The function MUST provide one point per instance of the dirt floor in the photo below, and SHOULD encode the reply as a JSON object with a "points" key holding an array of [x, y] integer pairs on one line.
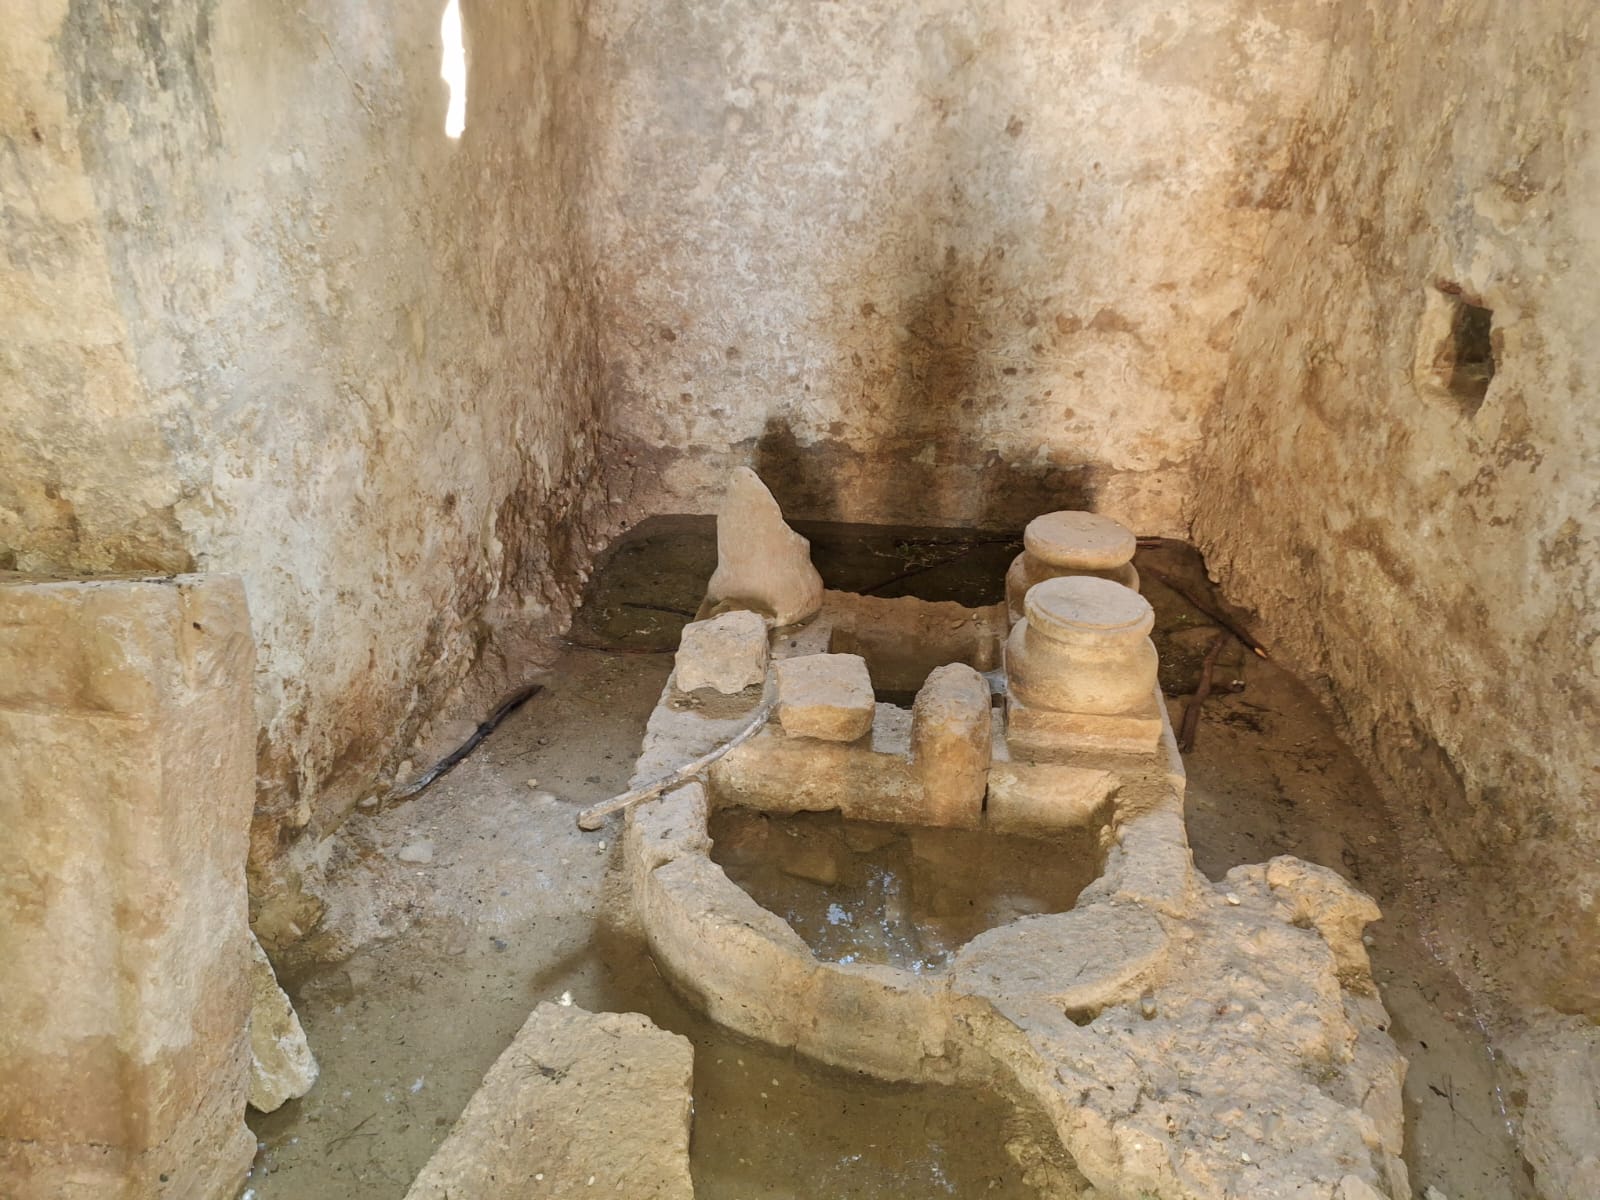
{"points": [[421, 972]]}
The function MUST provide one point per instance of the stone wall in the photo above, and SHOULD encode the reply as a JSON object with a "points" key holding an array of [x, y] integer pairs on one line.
{"points": [[1429, 545], [260, 315], [942, 261]]}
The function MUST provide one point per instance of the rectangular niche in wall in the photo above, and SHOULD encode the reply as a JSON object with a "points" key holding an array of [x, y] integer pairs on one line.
{"points": [[1455, 347]]}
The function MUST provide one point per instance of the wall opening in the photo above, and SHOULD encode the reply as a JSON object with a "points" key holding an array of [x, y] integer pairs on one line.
{"points": [[453, 69], [1456, 348]]}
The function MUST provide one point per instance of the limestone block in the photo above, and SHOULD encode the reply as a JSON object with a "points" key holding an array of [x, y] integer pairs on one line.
{"points": [[1038, 797], [1340, 911], [762, 564], [779, 774], [127, 779], [1044, 735], [281, 1064], [579, 1104], [952, 744], [727, 653], [886, 1021], [826, 696]]}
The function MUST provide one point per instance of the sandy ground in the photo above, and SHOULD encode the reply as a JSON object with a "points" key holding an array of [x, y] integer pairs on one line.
{"points": [[429, 968]]}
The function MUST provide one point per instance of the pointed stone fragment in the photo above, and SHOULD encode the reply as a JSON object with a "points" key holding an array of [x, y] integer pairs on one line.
{"points": [[281, 1065], [762, 564]]}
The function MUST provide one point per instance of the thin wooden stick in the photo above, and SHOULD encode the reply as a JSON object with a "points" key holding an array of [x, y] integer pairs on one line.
{"points": [[448, 763], [1191, 713], [1205, 606], [594, 816]]}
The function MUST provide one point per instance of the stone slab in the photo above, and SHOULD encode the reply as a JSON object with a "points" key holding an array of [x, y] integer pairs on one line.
{"points": [[1038, 797], [579, 1104], [726, 653], [825, 696]]}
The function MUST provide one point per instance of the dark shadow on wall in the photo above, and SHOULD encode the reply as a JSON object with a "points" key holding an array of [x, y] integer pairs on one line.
{"points": [[930, 337]]}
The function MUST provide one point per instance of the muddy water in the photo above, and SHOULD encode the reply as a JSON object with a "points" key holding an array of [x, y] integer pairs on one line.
{"points": [[856, 891], [451, 956]]}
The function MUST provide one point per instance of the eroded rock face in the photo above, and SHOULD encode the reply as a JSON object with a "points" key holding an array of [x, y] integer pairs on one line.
{"points": [[578, 1104], [761, 563], [282, 1066]]}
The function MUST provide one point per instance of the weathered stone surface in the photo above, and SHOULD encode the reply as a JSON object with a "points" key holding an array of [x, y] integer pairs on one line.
{"points": [[761, 563], [1070, 543], [1432, 547], [579, 1104], [282, 1066], [978, 295], [726, 653], [1083, 647], [825, 696], [1045, 735], [1035, 797], [1083, 960], [952, 744], [390, 426], [127, 751]]}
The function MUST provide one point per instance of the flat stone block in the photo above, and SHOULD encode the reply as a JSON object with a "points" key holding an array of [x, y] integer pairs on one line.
{"points": [[1037, 732], [726, 653], [825, 696], [1037, 797], [580, 1104]]}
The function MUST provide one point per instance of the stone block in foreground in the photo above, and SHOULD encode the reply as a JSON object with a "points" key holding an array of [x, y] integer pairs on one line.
{"points": [[825, 696], [580, 1104], [127, 777]]}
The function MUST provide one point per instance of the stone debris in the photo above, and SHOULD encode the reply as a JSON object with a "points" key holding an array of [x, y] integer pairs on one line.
{"points": [[281, 1063], [825, 696], [579, 1104], [420, 851], [762, 564], [726, 653]]}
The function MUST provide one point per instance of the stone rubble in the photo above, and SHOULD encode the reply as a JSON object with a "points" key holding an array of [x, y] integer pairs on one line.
{"points": [[726, 653], [579, 1104]]}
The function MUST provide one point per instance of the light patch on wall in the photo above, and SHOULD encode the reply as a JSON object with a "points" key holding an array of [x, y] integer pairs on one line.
{"points": [[454, 69]]}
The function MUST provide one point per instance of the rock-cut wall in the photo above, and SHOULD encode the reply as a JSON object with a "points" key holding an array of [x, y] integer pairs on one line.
{"points": [[261, 315], [936, 261]]}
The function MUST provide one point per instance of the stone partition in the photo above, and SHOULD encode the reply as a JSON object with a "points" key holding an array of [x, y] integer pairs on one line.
{"points": [[127, 755]]}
